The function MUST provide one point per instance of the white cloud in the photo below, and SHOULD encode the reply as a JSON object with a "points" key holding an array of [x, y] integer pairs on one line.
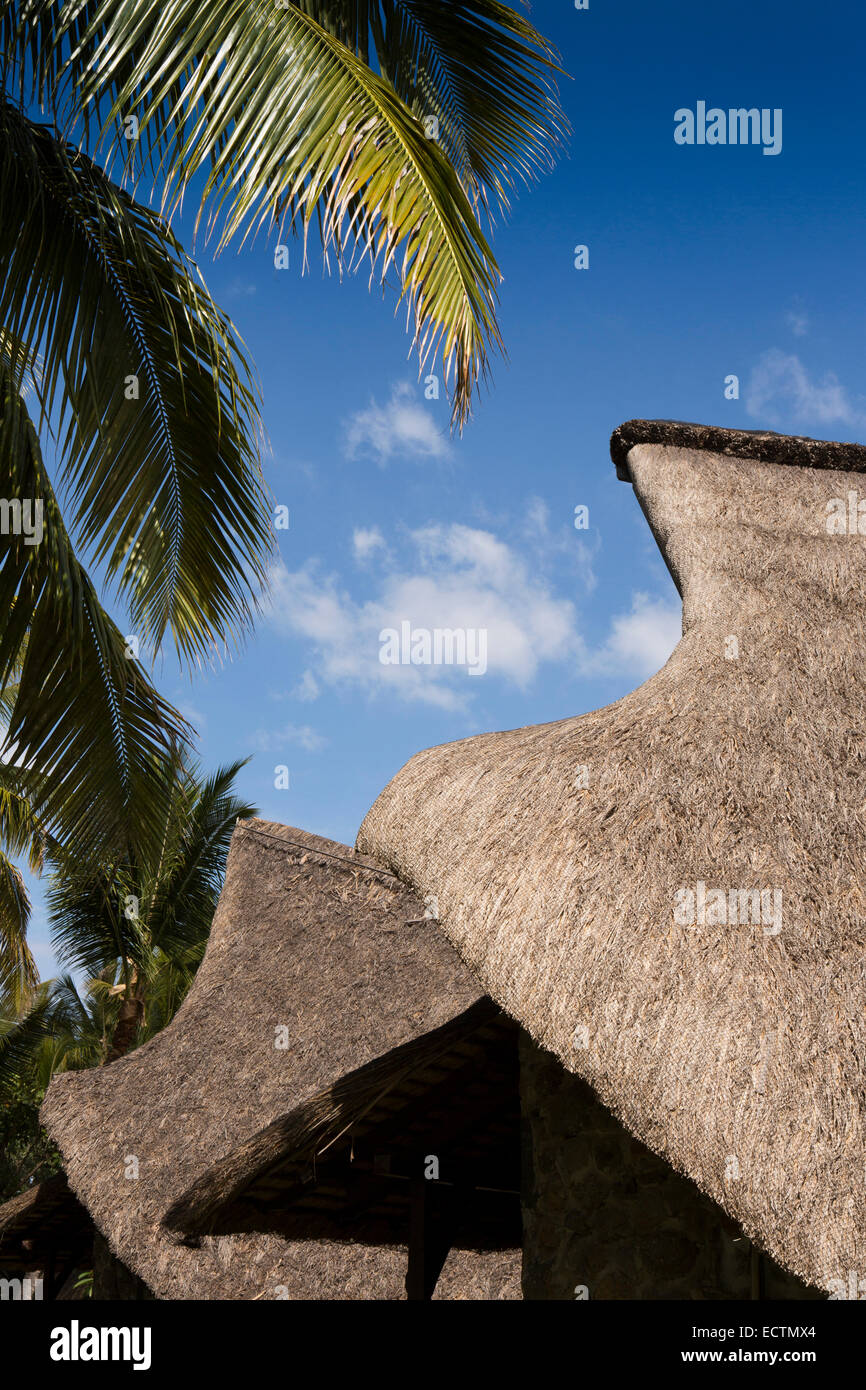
{"points": [[560, 541], [307, 687], [459, 578], [798, 323], [240, 289], [366, 541], [781, 383], [641, 641], [306, 690], [275, 740], [402, 427], [537, 518]]}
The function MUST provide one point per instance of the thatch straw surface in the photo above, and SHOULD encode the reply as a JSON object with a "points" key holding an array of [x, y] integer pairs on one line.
{"points": [[307, 936], [737, 1053]]}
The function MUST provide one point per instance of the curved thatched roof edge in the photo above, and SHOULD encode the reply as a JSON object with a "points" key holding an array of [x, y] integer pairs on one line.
{"points": [[763, 445], [30, 1205], [312, 1127], [318, 847]]}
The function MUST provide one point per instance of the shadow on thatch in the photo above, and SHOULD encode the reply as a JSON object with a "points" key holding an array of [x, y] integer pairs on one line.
{"points": [[346, 1160], [44, 1225]]}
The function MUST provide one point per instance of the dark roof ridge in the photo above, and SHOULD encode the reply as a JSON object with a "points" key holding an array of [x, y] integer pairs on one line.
{"points": [[763, 445]]}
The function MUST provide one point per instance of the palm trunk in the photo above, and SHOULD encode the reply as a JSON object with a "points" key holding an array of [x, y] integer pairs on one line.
{"points": [[129, 1020]]}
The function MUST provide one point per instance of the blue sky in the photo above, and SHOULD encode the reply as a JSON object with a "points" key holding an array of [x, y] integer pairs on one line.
{"points": [[703, 262]]}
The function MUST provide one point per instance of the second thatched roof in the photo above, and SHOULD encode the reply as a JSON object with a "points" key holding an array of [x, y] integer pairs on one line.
{"points": [[44, 1223], [318, 962], [572, 862]]}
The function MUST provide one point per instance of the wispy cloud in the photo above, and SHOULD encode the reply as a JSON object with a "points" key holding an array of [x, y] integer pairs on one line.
{"points": [[191, 713], [781, 388], [559, 541], [402, 428], [366, 541], [307, 688], [240, 289], [455, 577], [290, 735], [641, 641], [798, 323]]}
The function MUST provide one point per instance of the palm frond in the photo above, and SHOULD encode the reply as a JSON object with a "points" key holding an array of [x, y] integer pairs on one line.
{"points": [[159, 420], [293, 127], [18, 973], [21, 831], [23, 1028], [90, 926], [86, 729], [158, 904], [77, 1028], [478, 69], [185, 888]]}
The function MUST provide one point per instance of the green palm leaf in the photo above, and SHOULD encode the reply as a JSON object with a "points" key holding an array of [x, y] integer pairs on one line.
{"points": [[24, 1026], [175, 885], [21, 834], [184, 887], [18, 972], [86, 726], [293, 126], [478, 67], [280, 100], [158, 423]]}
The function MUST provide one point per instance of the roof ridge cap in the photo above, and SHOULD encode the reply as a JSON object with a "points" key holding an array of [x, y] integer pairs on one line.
{"points": [[766, 446]]}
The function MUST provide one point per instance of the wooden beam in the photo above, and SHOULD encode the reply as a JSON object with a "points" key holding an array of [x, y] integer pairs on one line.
{"points": [[429, 1238]]}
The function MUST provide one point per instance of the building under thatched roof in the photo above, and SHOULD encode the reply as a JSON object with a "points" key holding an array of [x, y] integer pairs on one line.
{"points": [[668, 894], [44, 1229], [424, 1141], [433, 1138], [318, 964]]}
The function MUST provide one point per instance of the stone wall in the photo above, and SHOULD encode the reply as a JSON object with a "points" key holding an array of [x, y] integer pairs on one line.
{"points": [[604, 1214]]}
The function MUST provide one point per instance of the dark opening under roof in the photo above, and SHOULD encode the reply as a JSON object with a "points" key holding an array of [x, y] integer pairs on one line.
{"points": [[42, 1224], [343, 1165], [764, 445]]}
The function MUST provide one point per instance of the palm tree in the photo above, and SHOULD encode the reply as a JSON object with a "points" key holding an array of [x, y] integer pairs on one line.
{"points": [[56, 1028], [21, 836], [138, 932], [390, 128], [146, 920]]}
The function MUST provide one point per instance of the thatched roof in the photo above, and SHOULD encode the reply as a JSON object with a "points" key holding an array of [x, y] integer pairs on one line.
{"points": [[46, 1222], [737, 1052], [793, 450], [358, 1146], [309, 938]]}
